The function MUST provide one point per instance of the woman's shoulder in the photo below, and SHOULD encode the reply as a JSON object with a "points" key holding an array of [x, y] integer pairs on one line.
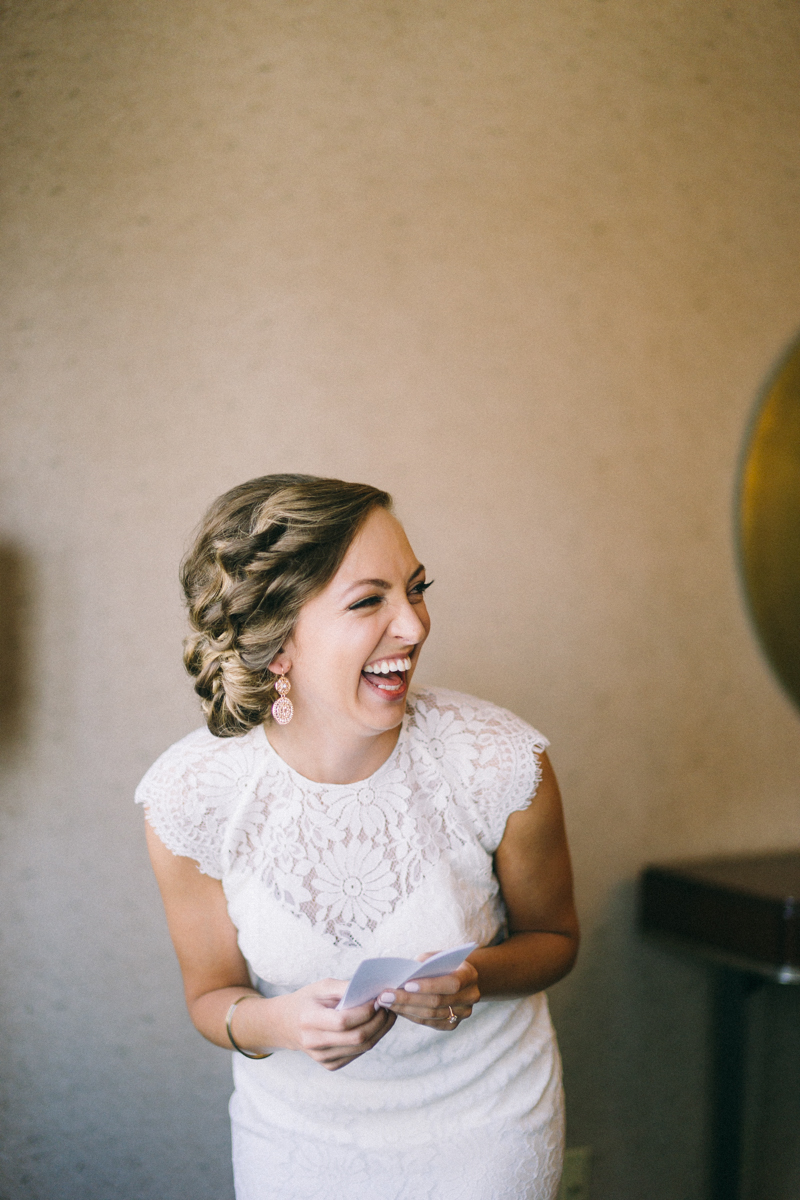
{"points": [[198, 752], [490, 755], [199, 742], [190, 791], [437, 708]]}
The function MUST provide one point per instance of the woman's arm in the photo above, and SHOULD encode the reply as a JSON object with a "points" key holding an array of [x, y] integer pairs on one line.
{"points": [[533, 867], [215, 974]]}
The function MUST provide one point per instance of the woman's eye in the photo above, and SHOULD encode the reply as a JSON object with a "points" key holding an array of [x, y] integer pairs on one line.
{"points": [[419, 589], [367, 602]]}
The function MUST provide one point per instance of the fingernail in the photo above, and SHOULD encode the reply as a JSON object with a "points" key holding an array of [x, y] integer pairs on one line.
{"points": [[411, 987], [376, 1005], [387, 997]]}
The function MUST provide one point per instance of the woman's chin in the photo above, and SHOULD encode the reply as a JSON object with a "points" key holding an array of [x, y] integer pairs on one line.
{"points": [[385, 709]]}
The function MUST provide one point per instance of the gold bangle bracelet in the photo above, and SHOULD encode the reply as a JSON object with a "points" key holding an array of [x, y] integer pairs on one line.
{"points": [[229, 1018]]}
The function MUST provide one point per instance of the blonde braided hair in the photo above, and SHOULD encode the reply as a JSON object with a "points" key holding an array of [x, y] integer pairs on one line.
{"points": [[262, 550]]}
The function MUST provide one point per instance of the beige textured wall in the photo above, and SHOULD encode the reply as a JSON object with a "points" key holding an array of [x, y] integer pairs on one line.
{"points": [[524, 264]]}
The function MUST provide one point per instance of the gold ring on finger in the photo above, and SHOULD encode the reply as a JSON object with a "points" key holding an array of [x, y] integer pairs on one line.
{"points": [[451, 1020]]}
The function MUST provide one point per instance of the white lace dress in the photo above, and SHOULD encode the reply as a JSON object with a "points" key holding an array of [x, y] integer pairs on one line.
{"points": [[319, 876]]}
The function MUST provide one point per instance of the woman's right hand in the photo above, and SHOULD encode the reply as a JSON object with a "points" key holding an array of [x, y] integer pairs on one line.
{"points": [[215, 974], [308, 1020]]}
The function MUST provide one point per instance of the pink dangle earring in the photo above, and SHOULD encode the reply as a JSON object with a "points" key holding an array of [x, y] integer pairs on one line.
{"points": [[282, 709]]}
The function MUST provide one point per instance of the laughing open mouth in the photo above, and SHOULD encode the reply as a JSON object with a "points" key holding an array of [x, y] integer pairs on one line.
{"points": [[388, 676]]}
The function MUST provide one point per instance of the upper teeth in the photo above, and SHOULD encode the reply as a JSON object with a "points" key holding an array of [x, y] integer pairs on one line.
{"points": [[388, 664]]}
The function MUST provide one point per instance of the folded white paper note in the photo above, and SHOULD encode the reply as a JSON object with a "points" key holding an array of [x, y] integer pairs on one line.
{"points": [[375, 975]]}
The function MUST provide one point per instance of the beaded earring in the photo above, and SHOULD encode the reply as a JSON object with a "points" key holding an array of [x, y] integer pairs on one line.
{"points": [[282, 709]]}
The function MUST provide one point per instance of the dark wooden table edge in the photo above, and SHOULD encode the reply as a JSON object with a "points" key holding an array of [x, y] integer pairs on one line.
{"points": [[692, 949]]}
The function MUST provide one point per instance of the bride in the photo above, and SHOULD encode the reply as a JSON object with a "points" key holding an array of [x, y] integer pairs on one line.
{"points": [[328, 813]]}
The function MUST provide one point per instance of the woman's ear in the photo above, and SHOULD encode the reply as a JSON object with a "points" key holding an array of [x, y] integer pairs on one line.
{"points": [[281, 663]]}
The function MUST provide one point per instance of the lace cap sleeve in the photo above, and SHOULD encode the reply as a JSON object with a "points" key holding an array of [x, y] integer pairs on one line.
{"points": [[188, 796], [491, 755], [516, 747]]}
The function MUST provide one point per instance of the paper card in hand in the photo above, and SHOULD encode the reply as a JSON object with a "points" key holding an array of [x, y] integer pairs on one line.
{"points": [[375, 975]]}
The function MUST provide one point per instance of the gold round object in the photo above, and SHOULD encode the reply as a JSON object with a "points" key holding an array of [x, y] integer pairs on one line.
{"points": [[769, 523]]}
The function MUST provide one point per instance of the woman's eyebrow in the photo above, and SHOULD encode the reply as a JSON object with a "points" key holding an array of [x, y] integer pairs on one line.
{"points": [[382, 583], [378, 583]]}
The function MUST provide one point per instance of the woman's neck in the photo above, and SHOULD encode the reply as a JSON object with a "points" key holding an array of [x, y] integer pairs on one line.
{"points": [[325, 756]]}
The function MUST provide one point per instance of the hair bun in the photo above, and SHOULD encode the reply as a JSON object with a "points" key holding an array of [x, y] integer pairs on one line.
{"points": [[262, 550]]}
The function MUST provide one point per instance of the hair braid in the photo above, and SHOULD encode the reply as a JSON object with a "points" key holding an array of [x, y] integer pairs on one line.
{"points": [[262, 550]]}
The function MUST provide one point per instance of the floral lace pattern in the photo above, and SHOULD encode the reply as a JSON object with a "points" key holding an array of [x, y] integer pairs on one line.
{"points": [[341, 857], [319, 876]]}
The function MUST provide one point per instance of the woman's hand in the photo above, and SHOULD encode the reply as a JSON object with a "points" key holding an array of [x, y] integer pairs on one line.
{"points": [[215, 974], [435, 1002], [308, 1020]]}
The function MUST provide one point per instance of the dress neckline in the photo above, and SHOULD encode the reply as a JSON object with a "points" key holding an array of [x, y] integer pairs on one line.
{"points": [[303, 781]]}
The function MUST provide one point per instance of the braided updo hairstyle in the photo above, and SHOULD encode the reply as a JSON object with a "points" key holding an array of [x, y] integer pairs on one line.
{"points": [[262, 550]]}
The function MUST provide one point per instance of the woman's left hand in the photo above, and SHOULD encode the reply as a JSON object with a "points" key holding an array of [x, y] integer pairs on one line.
{"points": [[443, 1002]]}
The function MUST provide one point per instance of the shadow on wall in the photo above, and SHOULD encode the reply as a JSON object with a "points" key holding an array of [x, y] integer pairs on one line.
{"points": [[15, 574]]}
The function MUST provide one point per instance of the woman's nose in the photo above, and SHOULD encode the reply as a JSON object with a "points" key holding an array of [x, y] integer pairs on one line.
{"points": [[407, 624]]}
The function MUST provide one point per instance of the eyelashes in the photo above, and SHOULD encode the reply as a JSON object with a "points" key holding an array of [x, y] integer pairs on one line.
{"points": [[369, 602], [418, 590]]}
